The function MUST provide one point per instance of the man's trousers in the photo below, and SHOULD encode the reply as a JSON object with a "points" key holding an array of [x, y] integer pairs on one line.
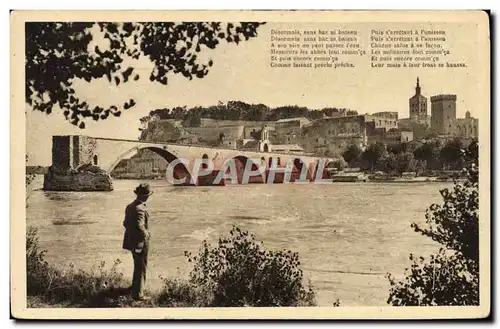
{"points": [[140, 267]]}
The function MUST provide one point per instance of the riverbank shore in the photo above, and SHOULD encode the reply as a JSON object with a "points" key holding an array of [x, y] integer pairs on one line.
{"points": [[370, 178], [237, 284], [422, 179], [49, 285]]}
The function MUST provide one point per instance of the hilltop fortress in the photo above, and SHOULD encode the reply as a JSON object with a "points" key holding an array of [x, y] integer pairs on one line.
{"points": [[443, 121], [326, 136]]}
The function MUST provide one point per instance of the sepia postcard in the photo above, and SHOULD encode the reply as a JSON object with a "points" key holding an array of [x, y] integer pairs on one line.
{"points": [[250, 165]]}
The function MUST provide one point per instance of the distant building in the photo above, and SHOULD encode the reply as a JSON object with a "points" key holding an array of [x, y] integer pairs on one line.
{"points": [[229, 143], [288, 131], [217, 136], [418, 104], [389, 136], [419, 128], [444, 114], [443, 120], [302, 121], [334, 135], [288, 148], [398, 136], [260, 142], [467, 127], [335, 113], [140, 166], [387, 120], [255, 131], [213, 123], [143, 163]]}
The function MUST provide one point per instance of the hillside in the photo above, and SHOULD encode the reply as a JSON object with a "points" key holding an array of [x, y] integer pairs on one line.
{"points": [[237, 110]]}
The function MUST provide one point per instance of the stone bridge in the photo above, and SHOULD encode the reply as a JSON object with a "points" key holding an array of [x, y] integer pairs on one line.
{"points": [[72, 154]]}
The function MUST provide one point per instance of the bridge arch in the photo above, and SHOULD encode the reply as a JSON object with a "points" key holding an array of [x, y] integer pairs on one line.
{"points": [[240, 165], [316, 167], [180, 170], [274, 161], [298, 165]]}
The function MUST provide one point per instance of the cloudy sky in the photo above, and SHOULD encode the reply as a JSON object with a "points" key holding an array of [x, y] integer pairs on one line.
{"points": [[242, 72]]}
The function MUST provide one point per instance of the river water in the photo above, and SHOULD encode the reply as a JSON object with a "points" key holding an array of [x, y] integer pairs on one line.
{"points": [[348, 235]]}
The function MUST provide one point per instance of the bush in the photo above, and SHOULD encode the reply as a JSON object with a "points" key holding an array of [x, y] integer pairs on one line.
{"points": [[352, 155], [239, 273], [452, 276], [446, 279], [177, 293], [38, 270]]}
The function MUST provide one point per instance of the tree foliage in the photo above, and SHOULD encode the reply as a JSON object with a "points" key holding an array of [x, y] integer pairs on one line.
{"points": [[429, 152], [57, 53], [389, 163], [352, 155], [395, 148], [29, 177], [239, 272], [406, 156], [451, 154], [450, 277], [399, 163], [238, 110], [406, 162], [373, 154], [443, 280]]}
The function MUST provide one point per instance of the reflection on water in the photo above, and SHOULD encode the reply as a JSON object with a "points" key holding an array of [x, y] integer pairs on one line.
{"points": [[347, 235]]}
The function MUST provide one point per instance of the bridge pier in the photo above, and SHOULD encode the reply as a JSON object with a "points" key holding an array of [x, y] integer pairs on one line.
{"points": [[74, 166], [209, 180], [77, 180]]}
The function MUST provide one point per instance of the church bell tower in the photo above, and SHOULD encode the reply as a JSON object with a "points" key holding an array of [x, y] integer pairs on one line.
{"points": [[418, 104]]}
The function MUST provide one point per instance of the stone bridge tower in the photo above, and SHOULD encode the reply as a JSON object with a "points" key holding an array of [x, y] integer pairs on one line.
{"points": [[70, 153]]}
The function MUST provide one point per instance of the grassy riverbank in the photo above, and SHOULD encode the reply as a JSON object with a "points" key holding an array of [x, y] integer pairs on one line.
{"points": [[173, 294], [251, 277], [50, 286]]}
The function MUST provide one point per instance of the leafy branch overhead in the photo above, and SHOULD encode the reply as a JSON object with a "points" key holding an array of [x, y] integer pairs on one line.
{"points": [[57, 53]]}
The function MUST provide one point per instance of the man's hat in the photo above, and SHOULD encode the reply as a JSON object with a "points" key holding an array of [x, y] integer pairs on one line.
{"points": [[143, 189]]}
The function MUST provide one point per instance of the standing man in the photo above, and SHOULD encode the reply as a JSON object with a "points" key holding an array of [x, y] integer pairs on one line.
{"points": [[136, 238]]}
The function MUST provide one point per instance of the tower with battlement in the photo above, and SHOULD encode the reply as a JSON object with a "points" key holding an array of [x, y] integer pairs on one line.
{"points": [[444, 114], [418, 104]]}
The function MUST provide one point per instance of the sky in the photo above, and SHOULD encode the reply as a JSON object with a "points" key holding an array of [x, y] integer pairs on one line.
{"points": [[242, 72]]}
